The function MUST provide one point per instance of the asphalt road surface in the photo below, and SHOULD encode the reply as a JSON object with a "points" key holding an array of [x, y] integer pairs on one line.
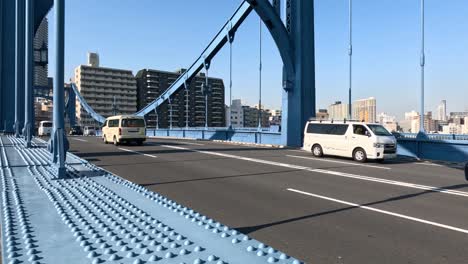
{"points": [[326, 210]]}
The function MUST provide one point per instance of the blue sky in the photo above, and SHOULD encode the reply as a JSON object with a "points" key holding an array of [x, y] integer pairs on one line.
{"points": [[170, 34]]}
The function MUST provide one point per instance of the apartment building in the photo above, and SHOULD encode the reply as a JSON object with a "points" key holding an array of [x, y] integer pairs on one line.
{"points": [[365, 109], [235, 113], [322, 114], [152, 83], [338, 111], [275, 117], [108, 91]]}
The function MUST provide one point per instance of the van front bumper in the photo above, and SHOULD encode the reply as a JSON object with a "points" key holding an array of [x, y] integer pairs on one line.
{"points": [[380, 154]]}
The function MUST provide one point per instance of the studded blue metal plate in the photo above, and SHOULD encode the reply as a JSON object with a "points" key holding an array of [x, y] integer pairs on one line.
{"points": [[93, 216]]}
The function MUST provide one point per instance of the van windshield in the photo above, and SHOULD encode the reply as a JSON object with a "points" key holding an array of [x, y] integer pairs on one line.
{"points": [[133, 123], [379, 130], [47, 124]]}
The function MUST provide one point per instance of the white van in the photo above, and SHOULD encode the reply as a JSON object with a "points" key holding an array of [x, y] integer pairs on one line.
{"points": [[89, 131], [358, 140], [123, 129], [45, 128]]}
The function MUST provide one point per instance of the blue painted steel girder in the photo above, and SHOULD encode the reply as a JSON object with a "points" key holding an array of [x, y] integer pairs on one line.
{"points": [[301, 105], [297, 52], [58, 144], [7, 62], [29, 73], [41, 9], [8, 53], [19, 66], [71, 107], [280, 35]]}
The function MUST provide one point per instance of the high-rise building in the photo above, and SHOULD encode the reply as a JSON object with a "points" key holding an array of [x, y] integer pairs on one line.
{"points": [[338, 111], [152, 83], [235, 113], [93, 59], [247, 116], [365, 110], [452, 128], [411, 115], [275, 117], [430, 125], [465, 126], [442, 111], [387, 121], [322, 114], [108, 91]]}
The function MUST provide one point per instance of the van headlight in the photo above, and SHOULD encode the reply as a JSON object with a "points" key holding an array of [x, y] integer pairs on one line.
{"points": [[378, 145]]}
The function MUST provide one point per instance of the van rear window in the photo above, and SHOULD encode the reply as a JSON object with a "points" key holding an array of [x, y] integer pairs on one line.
{"points": [[47, 124], [133, 123], [327, 129]]}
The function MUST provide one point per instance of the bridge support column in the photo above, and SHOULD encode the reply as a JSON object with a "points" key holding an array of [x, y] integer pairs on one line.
{"points": [[19, 67], [58, 143], [29, 73], [7, 62], [71, 107], [299, 90]]}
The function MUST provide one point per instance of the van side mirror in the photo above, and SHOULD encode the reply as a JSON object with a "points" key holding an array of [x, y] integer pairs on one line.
{"points": [[368, 133]]}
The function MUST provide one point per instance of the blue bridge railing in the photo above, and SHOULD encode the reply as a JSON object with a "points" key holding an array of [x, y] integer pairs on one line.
{"points": [[436, 136]]}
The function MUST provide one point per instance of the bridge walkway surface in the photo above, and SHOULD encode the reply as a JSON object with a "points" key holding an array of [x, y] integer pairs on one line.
{"points": [[93, 216], [326, 210]]}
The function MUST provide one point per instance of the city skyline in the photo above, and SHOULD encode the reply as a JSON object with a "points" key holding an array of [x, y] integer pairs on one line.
{"points": [[142, 39]]}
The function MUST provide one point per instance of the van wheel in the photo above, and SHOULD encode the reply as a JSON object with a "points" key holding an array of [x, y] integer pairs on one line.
{"points": [[317, 150], [116, 143], [359, 155], [105, 139]]}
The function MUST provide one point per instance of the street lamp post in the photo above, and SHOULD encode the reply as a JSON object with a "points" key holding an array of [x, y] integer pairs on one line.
{"points": [[422, 63], [260, 81], [350, 54]]}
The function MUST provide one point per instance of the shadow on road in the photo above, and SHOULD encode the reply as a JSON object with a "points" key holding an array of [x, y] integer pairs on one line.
{"points": [[161, 151], [251, 229]]}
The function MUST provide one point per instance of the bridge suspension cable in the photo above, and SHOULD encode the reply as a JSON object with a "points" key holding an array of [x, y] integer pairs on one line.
{"points": [[186, 86]]}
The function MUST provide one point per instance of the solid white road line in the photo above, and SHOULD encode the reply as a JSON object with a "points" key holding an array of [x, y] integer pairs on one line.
{"points": [[453, 228], [342, 162], [79, 139], [427, 164], [329, 172], [133, 151]]}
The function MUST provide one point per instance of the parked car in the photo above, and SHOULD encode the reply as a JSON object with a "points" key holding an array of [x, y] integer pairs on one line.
{"points": [[76, 131], [89, 131], [358, 140], [124, 129], [45, 128]]}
